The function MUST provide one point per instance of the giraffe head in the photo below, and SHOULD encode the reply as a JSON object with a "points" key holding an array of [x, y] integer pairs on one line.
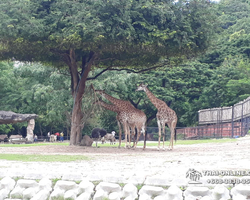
{"points": [[101, 92], [142, 87]]}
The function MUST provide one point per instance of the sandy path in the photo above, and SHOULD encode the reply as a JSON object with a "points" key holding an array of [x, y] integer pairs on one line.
{"points": [[129, 163]]}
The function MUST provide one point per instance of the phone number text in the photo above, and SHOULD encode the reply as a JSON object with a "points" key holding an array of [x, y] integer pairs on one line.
{"points": [[228, 181]]}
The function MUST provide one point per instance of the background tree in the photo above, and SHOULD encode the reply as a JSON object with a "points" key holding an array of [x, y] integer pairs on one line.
{"points": [[106, 34], [33, 88]]}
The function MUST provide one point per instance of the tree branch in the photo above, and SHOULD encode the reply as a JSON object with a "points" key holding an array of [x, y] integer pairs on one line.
{"points": [[142, 70], [150, 118], [91, 78]]}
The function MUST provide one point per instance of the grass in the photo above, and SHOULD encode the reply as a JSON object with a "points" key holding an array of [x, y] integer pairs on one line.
{"points": [[35, 144], [71, 158], [43, 158]]}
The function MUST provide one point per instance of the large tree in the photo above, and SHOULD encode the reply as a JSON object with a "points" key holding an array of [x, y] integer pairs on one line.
{"points": [[109, 34]]}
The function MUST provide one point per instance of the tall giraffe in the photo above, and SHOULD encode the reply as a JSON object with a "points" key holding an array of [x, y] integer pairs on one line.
{"points": [[165, 115], [121, 118], [134, 117]]}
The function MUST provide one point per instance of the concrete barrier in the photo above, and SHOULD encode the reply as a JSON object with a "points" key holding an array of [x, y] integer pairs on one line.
{"points": [[45, 188]]}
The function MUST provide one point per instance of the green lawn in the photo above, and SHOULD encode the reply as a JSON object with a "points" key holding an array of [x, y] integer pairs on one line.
{"points": [[35, 144], [69, 158], [43, 158]]}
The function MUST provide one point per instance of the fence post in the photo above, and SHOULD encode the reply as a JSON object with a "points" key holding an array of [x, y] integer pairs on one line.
{"points": [[241, 131], [232, 125]]}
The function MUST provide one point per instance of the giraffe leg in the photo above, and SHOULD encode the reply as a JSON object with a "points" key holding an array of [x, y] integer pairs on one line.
{"points": [[145, 136], [129, 136], [171, 139], [125, 127], [132, 127], [120, 133], [172, 129], [138, 135], [133, 134], [163, 134], [159, 139]]}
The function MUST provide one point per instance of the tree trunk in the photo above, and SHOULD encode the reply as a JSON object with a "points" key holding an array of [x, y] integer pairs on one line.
{"points": [[78, 83], [76, 123]]}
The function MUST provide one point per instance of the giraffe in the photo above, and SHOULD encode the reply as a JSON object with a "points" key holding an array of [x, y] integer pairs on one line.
{"points": [[165, 115], [121, 118], [135, 118]]}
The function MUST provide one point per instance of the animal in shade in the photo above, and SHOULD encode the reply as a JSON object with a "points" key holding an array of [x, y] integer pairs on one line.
{"points": [[128, 116], [165, 115]]}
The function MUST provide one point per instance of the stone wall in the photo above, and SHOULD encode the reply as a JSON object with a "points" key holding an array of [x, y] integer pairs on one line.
{"points": [[19, 188]]}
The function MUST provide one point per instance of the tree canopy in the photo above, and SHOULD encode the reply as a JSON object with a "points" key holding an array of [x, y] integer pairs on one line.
{"points": [[108, 34], [118, 31]]}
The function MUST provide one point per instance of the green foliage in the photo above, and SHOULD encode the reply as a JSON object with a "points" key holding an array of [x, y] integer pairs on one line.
{"points": [[125, 35], [234, 38], [180, 87], [33, 88], [120, 34], [229, 84], [6, 128], [121, 30]]}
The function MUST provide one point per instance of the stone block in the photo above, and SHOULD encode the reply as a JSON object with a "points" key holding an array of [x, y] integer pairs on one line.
{"points": [[86, 186], [17, 192], [145, 197], [4, 193], [30, 192], [65, 185], [114, 196], [7, 183], [57, 193], [70, 194], [129, 191], [84, 196], [179, 182], [152, 191], [100, 195], [220, 192], [26, 183], [108, 187], [196, 192], [45, 184], [41, 195], [174, 193], [240, 192], [162, 197]]}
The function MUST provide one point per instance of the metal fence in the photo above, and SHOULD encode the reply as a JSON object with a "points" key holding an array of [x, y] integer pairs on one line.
{"points": [[222, 130]]}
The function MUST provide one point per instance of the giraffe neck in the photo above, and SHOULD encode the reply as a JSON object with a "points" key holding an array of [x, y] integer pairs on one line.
{"points": [[113, 100], [109, 107], [155, 101]]}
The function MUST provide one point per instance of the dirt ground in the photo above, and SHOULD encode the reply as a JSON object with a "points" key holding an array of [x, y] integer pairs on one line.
{"points": [[212, 156]]}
